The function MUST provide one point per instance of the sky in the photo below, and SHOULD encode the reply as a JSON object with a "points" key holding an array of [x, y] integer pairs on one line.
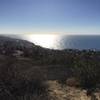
{"points": [[50, 16]]}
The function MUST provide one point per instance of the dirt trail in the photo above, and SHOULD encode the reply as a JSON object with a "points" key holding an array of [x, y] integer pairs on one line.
{"points": [[57, 92]]}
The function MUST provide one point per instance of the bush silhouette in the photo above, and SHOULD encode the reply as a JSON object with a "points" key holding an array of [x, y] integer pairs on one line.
{"points": [[88, 73], [15, 86]]}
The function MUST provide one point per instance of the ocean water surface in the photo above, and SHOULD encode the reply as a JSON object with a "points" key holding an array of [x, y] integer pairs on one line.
{"points": [[54, 41], [80, 42]]}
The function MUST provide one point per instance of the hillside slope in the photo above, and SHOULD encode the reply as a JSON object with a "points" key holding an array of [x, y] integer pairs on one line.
{"points": [[27, 69]]}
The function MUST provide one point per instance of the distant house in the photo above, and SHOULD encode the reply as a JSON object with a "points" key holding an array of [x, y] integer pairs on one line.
{"points": [[18, 53]]}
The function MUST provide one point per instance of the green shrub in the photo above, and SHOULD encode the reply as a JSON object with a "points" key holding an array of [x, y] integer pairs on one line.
{"points": [[15, 86], [88, 73]]}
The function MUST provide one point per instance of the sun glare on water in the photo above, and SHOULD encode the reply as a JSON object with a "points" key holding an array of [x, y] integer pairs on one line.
{"points": [[44, 40]]}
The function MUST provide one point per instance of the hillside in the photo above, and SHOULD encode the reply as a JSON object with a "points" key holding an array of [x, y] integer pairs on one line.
{"points": [[26, 69]]}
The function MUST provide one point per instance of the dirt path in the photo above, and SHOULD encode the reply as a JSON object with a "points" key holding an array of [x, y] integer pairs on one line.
{"points": [[57, 92]]}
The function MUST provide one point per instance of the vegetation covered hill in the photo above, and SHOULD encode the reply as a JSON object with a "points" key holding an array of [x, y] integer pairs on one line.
{"points": [[25, 69]]}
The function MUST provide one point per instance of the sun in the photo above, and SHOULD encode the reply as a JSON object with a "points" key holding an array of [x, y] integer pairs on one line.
{"points": [[44, 40]]}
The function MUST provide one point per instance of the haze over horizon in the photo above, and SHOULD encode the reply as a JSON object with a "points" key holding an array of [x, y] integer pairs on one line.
{"points": [[50, 16]]}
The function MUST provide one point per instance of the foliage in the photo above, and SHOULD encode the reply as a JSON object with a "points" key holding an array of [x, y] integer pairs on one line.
{"points": [[87, 69], [16, 86]]}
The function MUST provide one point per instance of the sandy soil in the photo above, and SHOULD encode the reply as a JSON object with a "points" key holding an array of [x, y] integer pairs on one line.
{"points": [[59, 92]]}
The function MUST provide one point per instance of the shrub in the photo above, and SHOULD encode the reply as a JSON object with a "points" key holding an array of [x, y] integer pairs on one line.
{"points": [[88, 73], [15, 86]]}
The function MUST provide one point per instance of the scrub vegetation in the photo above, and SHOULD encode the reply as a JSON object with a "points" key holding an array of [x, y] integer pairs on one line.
{"points": [[35, 73]]}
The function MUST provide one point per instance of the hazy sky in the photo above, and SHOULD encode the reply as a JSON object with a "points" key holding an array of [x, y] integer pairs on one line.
{"points": [[50, 16]]}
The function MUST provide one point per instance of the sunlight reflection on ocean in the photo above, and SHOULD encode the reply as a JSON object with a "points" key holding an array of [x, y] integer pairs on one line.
{"points": [[66, 41], [54, 41]]}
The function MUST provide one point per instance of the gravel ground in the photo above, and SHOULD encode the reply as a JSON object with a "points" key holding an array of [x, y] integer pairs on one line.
{"points": [[59, 92]]}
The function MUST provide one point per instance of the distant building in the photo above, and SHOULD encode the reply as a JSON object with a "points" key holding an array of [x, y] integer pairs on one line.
{"points": [[18, 53]]}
